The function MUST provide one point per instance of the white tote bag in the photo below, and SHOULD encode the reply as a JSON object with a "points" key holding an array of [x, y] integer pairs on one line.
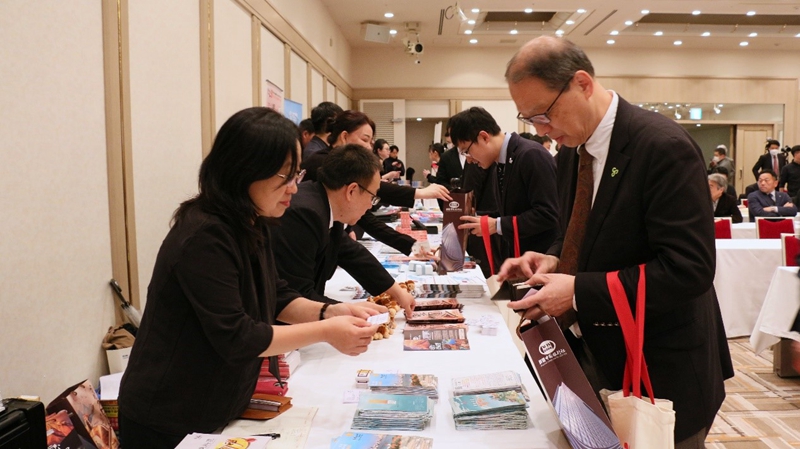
{"points": [[640, 422]]}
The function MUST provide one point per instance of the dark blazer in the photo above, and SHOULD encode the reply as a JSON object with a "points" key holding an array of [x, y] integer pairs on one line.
{"points": [[314, 145], [449, 167], [388, 165], [757, 201], [728, 206], [307, 251], [764, 162], [652, 207]]}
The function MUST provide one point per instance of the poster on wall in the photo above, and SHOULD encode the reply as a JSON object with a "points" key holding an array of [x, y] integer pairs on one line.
{"points": [[293, 111], [274, 97]]}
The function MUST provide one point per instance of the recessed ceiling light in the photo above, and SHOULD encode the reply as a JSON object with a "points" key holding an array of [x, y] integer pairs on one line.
{"points": [[392, 32], [658, 33], [471, 22], [720, 105], [528, 10], [645, 11], [696, 12], [614, 32], [513, 32], [678, 43], [753, 34], [611, 42], [419, 119], [670, 107], [467, 31], [699, 125], [570, 22], [744, 44], [388, 15], [476, 10], [706, 34], [751, 13], [559, 32], [473, 41], [628, 22], [581, 11], [797, 35]]}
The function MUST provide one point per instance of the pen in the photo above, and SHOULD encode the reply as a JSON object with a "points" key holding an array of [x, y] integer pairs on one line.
{"points": [[274, 436]]}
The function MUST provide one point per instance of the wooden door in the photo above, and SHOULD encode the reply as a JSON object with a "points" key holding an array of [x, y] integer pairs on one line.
{"points": [[750, 141]]}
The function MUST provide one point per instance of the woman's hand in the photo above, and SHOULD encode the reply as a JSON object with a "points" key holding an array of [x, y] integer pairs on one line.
{"points": [[403, 297], [391, 175], [426, 172], [362, 310], [433, 191], [348, 334]]}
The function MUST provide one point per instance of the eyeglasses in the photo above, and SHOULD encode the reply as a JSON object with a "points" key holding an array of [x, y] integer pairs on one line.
{"points": [[466, 152], [375, 198], [543, 119], [297, 177]]}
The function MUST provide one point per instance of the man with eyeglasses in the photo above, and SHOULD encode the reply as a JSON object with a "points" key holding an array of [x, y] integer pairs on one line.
{"points": [[633, 190], [520, 173], [309, 238]]}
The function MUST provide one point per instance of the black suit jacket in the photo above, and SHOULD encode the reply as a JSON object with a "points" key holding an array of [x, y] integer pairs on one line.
{"points": [[764, 162], [652, 207], [307, 252], [449, 167], [728, 206]]}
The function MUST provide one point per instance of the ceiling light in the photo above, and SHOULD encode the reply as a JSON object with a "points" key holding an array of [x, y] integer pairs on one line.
{"points": [[611, 42], [716, 110], [744, 44], [695, 13], [581, 11], [570, 22], [388, 15], [614, 32], [678, 115], [645, 12], [797, 35], [678, 43], [392, 32], [641, 105], [528, 10], [467, 31], [753, 34], [628, 22], [471, 22], [658, 33], [476, 10], [473, 41], [419, 119], [513, 32], [706, 34], [670, 107], [560, 32], [699, 125], [751, 13], [720, 105]]}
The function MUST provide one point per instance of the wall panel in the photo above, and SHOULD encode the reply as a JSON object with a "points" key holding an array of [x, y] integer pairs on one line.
{"points": [[299, 90], [233, 59]]}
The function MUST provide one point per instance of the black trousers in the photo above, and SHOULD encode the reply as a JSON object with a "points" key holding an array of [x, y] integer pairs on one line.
{"points": [[133, 435]]}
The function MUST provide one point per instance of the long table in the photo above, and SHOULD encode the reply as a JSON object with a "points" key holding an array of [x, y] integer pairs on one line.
{"points": [[747, 230], [325, 374], [779, 310], [744, 270]]}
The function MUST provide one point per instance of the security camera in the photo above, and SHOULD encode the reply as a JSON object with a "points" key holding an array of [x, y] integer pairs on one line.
{"points": [[417, 48], [413, 47]]}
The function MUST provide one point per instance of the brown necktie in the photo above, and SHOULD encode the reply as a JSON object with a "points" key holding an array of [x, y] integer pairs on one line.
{"points": [[576, 230], [775, 164]]}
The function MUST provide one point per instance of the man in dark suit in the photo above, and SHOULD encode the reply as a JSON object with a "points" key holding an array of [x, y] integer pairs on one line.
{"points": [[723, 204], [450, 166], [771, 160], [309, 238], [637, 195], [767, 201], [524, 179]]}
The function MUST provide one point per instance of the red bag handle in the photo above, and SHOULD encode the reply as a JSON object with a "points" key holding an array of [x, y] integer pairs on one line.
{"points": [[636, 371], [487, 243]]}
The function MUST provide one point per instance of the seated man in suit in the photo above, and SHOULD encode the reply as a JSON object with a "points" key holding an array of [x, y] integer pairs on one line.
{"points": [[309, 238], [768, 201], [724, 204], [524, 176]]}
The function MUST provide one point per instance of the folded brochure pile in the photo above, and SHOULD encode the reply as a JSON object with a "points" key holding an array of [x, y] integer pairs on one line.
{"points": [[393, 412], [490, 402], [409, 384], [354, 440]]}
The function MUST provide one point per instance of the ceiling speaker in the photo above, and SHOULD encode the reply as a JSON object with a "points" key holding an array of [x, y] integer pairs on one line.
{"points": [[376, 33]]}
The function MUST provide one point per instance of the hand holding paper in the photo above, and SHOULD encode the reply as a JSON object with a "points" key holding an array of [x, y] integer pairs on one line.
{"points": [[527, 265], [554, 298]]}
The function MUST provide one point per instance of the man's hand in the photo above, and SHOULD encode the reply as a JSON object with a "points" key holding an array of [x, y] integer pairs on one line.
{"points": [[403, 297], [473, 224], [554, 298], [426, 172], [789, 204], [359, 310], [348, 334], [526, 266], [433, 191]]}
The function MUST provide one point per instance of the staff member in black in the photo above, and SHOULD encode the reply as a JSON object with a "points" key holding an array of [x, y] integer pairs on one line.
{"points": [[789, 180]]}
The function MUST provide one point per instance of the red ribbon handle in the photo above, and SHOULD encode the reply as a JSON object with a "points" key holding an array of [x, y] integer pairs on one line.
{"points": [[487, 243]]}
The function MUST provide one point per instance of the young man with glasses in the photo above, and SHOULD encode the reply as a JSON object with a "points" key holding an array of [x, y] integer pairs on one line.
{"points": [[520, 173], [309, 239]]}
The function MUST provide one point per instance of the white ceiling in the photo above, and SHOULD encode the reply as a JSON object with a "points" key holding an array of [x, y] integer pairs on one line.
{"points": [[592, 28]]}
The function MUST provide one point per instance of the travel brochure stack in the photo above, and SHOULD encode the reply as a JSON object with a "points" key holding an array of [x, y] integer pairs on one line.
{"points": [[409, 384], [490, 402], [393, 412], [354, 440]]}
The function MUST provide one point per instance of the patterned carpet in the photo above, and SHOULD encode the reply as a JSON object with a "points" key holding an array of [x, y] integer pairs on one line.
{"points": [[761, 410]]}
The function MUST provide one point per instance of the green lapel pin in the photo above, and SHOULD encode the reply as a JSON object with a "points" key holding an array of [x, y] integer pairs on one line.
{"points": [[614, 171]]}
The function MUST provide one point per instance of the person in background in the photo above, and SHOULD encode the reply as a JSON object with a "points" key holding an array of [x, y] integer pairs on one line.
{"points": [[320, 117], [632, 190], [310, 241], [724, 172], [435, 152], [215, 295], [381, 149], [723, 204], [392, 163], [306, 132], [721, 160], [772, 159], [790, 175], [451, 164], [768, 201]]}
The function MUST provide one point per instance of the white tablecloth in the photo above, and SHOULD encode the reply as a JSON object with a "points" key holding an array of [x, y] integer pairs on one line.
{"points": [[747, 230], [778, 311], [744, 270], [325, 374]]}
